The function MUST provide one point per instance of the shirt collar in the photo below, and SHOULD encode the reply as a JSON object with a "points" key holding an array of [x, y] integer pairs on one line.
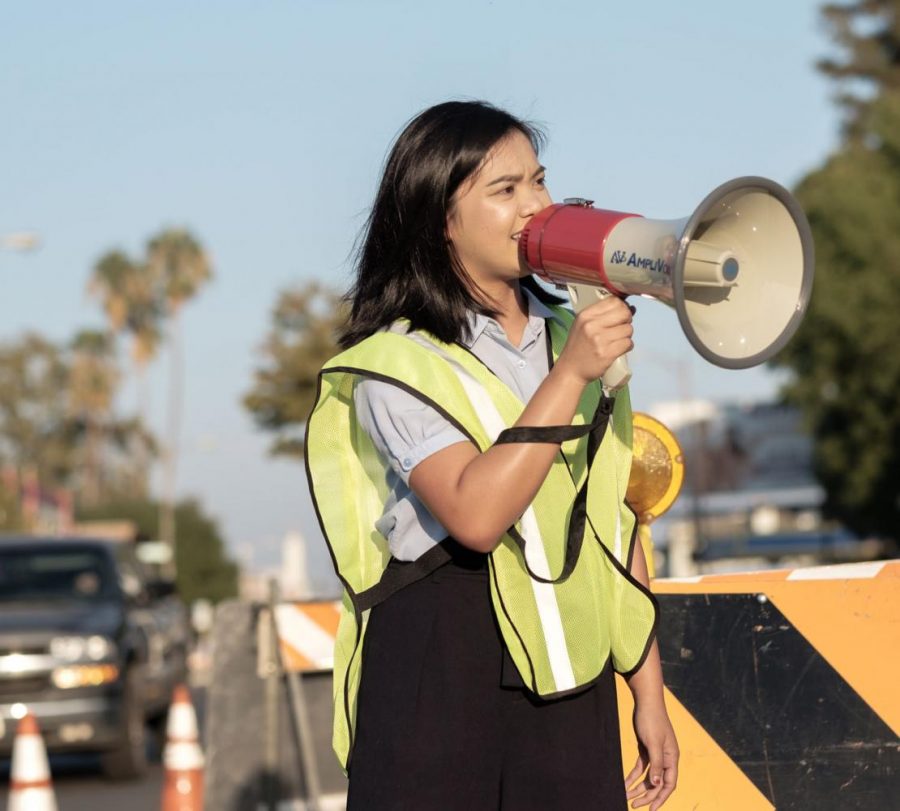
{"points": [[537, 313]]}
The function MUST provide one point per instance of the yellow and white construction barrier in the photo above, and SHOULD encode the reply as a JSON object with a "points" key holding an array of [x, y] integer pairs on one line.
{"points": [[782, 687], [781, 684]]}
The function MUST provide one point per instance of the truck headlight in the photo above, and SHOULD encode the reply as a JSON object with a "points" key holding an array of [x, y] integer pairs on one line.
{"points": [[84, 676], [79, 648]]}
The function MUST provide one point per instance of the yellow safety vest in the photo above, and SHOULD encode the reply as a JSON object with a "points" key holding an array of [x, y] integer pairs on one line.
{"points": [[562, 615]]}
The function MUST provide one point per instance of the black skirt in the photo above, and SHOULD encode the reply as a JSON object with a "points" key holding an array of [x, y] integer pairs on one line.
{"points": [[438, 727]]}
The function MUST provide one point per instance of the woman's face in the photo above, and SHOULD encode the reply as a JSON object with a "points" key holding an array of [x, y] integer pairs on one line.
{"points": [[491, 208]]}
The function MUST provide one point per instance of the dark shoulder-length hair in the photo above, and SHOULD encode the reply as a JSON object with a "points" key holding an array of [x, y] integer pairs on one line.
{"points": [[405, 266]]}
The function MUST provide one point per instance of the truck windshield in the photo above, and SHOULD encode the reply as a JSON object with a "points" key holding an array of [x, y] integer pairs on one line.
{"points": [[80, 575]]}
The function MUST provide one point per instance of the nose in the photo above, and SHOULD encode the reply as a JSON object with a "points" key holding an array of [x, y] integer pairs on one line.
{"points": [[533, 201]]}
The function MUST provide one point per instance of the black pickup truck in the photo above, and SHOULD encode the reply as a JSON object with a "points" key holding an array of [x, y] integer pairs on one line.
{"points": [[88, 644]]}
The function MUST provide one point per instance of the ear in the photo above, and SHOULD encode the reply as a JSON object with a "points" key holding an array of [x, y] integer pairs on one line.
{"points": [[454, 223], [450, 228]]}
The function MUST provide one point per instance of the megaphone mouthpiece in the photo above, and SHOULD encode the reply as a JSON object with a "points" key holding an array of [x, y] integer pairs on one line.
{"points": [[708, 265]]}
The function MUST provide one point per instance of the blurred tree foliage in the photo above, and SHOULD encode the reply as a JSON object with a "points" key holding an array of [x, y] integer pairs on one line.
{"points": [[868, 34], [203, 568], [93, 381], [34, 431], [303, 336], [845, 357], [57, 424]]}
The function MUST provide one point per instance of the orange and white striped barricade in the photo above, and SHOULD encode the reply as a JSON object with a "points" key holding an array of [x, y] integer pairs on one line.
{"points": [[306, 634]]}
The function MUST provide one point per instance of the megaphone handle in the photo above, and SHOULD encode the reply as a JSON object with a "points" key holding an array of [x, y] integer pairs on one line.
{"points": [[619, 372]]}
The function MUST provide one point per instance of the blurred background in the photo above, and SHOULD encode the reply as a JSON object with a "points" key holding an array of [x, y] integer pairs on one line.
{"points": [[183, 185]]}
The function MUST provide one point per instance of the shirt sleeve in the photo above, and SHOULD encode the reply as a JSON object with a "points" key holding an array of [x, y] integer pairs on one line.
{"points": [[402, 427]]}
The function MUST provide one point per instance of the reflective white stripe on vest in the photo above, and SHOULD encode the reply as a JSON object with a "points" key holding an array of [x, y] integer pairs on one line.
{"points": [[620, 497], [544, 593]]}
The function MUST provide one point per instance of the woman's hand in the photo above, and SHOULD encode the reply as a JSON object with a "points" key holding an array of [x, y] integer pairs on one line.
{"points": [[657, 756], [452, 483], [600, 334]]}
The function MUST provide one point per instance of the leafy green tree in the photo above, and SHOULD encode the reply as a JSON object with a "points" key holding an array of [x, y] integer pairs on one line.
{"points": [[303, 336], [34, 434], [10, 508], [93, 381], [868, 33], [203, 568], [58, 428], [845, 357]]}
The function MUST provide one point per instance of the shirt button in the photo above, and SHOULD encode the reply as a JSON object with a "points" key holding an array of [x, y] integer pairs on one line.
{"points": [[406, 463], [521, 364]]}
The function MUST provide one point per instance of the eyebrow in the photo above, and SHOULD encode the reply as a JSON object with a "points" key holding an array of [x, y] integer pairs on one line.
{"points": [[515, 178]]}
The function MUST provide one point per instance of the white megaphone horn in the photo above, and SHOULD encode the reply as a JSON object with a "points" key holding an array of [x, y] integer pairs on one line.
{"points": [[738, 271]]}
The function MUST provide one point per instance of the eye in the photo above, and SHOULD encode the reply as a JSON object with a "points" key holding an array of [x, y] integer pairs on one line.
{"points": [[541, 181]]}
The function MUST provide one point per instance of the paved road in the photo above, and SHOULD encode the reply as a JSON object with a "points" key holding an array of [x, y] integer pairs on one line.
{"points": [[80, 786]]}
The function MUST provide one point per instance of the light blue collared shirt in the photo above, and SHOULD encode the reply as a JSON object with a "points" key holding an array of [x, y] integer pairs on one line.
{"points": [[406, 430]]}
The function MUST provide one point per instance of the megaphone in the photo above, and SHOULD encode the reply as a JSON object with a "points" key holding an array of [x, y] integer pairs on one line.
{"points": [[738, 271]]}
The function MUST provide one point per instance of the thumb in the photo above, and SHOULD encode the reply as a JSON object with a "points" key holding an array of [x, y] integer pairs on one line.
{"points": [[655, 774]]}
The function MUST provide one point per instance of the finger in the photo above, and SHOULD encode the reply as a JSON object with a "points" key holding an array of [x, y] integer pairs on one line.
{"points": [[616, 313], [621, 347], [670, 776], [638, 790], [648, 798], [640, 765], [598, 331], [620, 332], [670, 780], [636, 775], [606, 306], [655, 772]]}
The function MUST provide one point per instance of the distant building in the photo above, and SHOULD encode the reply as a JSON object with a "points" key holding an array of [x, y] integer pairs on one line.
{"points": [[294, 580], [750, 498], [253, 586]]}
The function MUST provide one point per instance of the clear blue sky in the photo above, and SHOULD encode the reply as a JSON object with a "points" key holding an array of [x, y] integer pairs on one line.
{"points": [[262, 127]]}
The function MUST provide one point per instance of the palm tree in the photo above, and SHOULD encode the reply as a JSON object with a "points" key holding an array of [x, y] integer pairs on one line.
{"points": [[109, 283], [129, 295], [181, 267]]}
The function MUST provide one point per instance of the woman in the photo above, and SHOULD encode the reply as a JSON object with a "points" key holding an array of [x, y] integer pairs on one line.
{"points": [[489, 593]]}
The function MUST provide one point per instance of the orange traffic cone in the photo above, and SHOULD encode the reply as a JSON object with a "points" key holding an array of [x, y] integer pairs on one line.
{"points": [[182, 757], [30, 787]]}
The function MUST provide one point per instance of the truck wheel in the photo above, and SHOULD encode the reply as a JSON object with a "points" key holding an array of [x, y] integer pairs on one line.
{"points": [[128, 761]]}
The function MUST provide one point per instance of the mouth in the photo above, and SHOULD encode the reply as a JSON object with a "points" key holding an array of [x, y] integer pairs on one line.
{"points": [[515, 236]]}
